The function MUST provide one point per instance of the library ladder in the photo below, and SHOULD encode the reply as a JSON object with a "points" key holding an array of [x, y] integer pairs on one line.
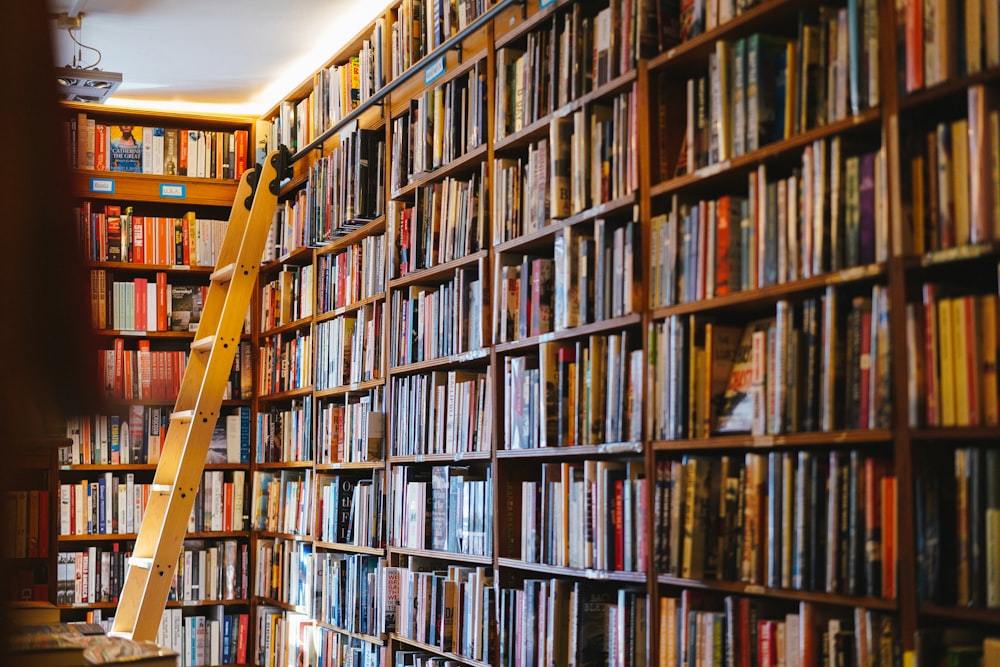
{"points": [[199, 400]]}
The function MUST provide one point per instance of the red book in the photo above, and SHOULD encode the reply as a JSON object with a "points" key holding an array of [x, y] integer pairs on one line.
{"points": [[182, 153], [141, 304], [119, 367], [888, 492], [161, 301], [722, 268], [138, 240], [242, 140], [185, 242], [145, 372], [766, 648], [241, 640], [618, 521], [227, 506]]}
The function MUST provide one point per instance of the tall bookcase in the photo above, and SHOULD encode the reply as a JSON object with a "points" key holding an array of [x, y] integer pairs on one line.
{"points": [[628, 333], [151, 214]]}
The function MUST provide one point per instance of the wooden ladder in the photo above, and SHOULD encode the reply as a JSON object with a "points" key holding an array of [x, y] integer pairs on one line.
{"points": [[153, 563]]}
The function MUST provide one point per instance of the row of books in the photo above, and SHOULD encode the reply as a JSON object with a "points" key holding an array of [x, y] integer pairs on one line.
{"points": [[215, 638], [142, 304], [957, 519], [434, 321], [591, 277], [453, 609], [444, 508], [351, 509], [729, 517], [695, 629], [444, 123], [349, 348], [588, 392], [346, 187], [567, 58], [136, 437], [220, 502], [167, 151], [813, 367], [441, 412], [285, 434], [211, 570], [587, 515], [446, 221], [109, 505], [281, 638], [352, 432], [346, 595], [828, 215], [287, 298], [230, 441], [354, 274], [943, 40], [285, 362], [283, 501], [93, 574], [290, 227], [566, 622], [422, 26], [950, 194], [26, 527], [107, 234], [142, 374], [337, 90], [337, 648], [762, 88], [284, 571], [952, 361]]}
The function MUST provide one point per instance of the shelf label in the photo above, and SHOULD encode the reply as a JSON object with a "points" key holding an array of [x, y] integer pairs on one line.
{"points": [[542, 4], [105, 185], [173, 190], [434, 70]]}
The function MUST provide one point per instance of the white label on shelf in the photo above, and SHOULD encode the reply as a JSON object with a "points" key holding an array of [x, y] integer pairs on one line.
{"points": [[434, 70], [458, 455], [542, 4], [755, 589], [132, 333], [547, 337], [173, 190], [712, 169], [106, 185], [180, 267], [354, 386], [419, 458]]}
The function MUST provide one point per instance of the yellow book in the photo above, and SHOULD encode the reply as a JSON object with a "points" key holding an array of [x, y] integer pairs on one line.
{"points": [[946, 357]]}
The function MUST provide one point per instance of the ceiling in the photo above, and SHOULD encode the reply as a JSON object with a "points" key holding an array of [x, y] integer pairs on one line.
{"points": [[209, 56]]}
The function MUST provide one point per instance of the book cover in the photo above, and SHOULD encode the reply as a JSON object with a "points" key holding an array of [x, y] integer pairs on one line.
{"points": [[125, 151], [735, 415]]}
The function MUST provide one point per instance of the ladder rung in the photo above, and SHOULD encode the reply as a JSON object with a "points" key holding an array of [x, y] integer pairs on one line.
{"points": [[144, 563], [182, 415], [120, 633], [203, 344], [224, 274]]}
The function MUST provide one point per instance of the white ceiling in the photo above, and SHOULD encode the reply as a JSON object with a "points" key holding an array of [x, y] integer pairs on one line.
{"points": [[222, 56]]}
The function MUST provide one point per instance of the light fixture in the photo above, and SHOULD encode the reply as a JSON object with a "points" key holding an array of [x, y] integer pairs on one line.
{"points": [[79, 82]]}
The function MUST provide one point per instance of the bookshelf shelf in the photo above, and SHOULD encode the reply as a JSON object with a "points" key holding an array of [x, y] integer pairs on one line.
{"points": [[573, 451], [371, 639], [960, 614], [439, 272], [764, 298], [951, 88], [436, 651], [819, 439], [455, 457], [464, 358], [441, 555], [737, 168], [542, 238], [367, 228], [781, 593], [360, 465], [353, 388], [519, 24], [602, 326], [349, 548], [147, 188], [297, 325], [284, 465], [298, 257], [466, 164], [350, 308], [948, 436], [134, 267], [968, 253], [576, 573], [285, 395]]}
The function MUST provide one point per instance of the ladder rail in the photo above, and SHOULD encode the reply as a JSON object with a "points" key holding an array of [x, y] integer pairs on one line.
{"points": [[161, 534]]}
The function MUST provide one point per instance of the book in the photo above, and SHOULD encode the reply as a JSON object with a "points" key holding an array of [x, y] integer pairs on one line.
{"points": [[736, 412], [125, 149]]}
